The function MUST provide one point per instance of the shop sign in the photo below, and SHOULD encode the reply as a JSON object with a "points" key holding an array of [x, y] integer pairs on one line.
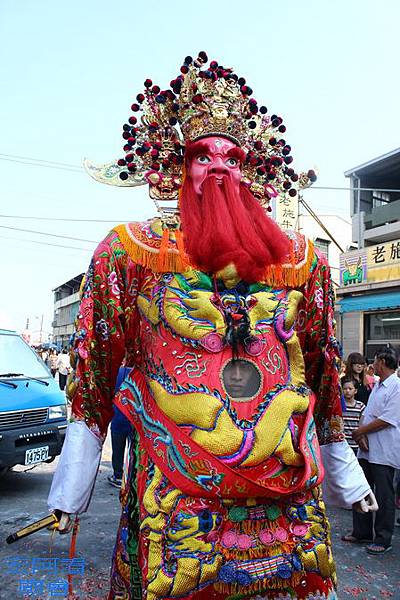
{"points": [[383, 261], [287, 211], [371, 264], [353, 268]]}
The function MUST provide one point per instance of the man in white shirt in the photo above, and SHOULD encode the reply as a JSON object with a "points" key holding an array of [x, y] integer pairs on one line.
{"points": [[64, 367], [378, 437]]}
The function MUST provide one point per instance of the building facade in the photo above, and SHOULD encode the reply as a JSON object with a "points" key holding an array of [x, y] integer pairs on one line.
{"points": [[369, 291], [66, 305], [340, 230]]}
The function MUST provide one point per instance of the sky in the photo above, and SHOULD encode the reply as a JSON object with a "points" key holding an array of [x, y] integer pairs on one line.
{"points": [[71, 70]]}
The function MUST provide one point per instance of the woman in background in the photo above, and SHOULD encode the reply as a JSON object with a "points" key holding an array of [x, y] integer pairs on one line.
{"points": [[356, 370]]}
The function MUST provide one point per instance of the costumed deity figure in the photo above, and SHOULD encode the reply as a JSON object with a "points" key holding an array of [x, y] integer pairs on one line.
{"points": [[226, 323]]}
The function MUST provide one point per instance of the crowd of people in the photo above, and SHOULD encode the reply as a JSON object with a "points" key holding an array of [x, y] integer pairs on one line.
{"points": [[58, 362], [371, 414]]}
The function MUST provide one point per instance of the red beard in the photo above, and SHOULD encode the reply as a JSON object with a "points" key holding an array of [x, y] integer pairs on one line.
{"points": [[223, 227]]}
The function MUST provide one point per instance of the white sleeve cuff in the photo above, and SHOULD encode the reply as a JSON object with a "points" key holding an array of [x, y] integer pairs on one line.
{"points": [[74, 478], [344, 482]]}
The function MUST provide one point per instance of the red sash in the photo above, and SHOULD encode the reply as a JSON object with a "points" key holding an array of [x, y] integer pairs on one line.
{"points": [[200, 474]]}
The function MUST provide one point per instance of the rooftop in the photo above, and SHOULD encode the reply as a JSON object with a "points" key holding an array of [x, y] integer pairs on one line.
{"points": [[382, 172]]}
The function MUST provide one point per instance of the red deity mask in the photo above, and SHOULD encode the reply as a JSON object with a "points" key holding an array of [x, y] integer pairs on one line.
{"points": [[214, 157]]}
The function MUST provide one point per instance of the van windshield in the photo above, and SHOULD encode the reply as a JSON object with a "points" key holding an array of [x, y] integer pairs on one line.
{"points": [[17, 357]]}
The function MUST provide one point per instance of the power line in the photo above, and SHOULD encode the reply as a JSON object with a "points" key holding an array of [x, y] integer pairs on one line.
{"points": [[65, 237], [63, 219], [361, 189], [41, 160], [48, 166], [5, 237]]}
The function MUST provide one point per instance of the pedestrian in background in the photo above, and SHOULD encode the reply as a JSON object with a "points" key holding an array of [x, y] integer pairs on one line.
{"points": [[356, 369], [64, 367], [379, 455], [121, 431], [352, 413], [371, 374], [53, 358]]}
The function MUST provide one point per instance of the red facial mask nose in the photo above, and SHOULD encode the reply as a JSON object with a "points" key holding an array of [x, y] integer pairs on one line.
{"points": [[218, 170]]}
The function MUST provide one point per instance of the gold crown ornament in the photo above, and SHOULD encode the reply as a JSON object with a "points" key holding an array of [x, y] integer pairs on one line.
{"points": [[202, 101]]}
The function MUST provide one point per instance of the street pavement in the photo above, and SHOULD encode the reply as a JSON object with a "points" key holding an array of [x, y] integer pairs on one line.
{"points": [[25, 574]]}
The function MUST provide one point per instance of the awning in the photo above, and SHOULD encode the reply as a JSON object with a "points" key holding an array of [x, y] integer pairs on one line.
{"points": [[369, 302]]}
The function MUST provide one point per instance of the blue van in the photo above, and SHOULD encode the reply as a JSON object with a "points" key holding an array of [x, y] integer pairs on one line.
{"points": [[33, 410]]}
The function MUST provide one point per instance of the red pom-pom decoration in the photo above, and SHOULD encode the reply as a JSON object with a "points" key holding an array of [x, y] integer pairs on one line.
{"points": [[148, 83], [124, 175], [135, 107], [121, 162], [292, 192], [132, 120], [132, 167]]}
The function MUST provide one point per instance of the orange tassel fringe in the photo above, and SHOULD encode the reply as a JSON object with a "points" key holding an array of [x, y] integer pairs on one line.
{"points": [[171, 262], [163, 252], [169, 259]]}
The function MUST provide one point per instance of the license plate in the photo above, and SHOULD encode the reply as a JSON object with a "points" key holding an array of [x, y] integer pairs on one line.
{"points": [[36, 455]]}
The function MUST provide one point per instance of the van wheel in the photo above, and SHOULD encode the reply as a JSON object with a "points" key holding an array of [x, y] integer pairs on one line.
{"points": [[50, 460]]}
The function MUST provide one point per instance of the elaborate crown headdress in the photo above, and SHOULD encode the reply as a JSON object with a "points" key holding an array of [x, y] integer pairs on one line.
{"points": [[202, 101]]}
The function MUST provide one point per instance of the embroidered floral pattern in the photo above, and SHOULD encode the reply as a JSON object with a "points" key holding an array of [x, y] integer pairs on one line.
{"points": [[111, 331]]}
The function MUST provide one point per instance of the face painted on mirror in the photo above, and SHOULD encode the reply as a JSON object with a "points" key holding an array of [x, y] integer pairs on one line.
{"points": [[241, 379], [215, 156]]}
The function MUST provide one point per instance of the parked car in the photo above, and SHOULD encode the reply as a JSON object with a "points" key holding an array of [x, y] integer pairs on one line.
{"points": [[33, 410]]}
